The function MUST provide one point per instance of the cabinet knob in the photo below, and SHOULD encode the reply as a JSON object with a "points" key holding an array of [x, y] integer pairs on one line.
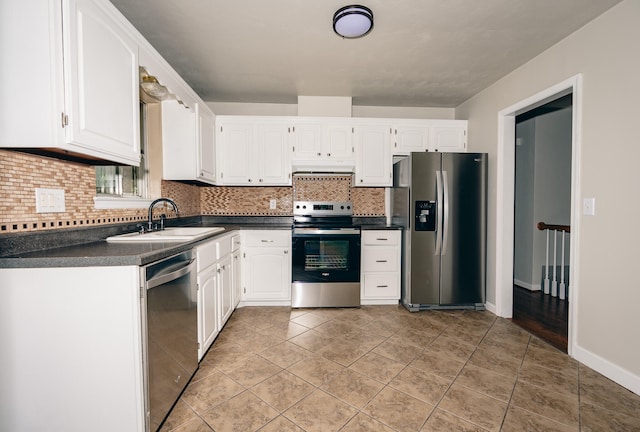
{"points": [[360, 180], [328, 154], [319, 154], [249, 180], [286, 252]]}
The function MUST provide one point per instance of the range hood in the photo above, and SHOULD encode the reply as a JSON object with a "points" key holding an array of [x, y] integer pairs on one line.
{"points": [[311, 166]]}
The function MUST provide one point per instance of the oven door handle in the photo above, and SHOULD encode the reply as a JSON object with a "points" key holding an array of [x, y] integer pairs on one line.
{"points": [[314, 231]]}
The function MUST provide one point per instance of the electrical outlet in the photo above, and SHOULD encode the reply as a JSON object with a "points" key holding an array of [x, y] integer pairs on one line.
{"points": [[272, 204], [50, 200]]}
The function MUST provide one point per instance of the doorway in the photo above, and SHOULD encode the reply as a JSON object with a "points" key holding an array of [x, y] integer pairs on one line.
{"points": [[505, 188], [543, 199]]}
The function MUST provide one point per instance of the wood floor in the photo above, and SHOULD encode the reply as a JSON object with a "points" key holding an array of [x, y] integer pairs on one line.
{"points": [[542, 315]]}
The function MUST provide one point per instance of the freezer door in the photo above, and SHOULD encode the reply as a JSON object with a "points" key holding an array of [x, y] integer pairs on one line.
{"points": [[423, 245], [464, 230]]}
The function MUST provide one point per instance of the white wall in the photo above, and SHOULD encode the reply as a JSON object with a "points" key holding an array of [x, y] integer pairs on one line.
{"points": [[607, 290]]}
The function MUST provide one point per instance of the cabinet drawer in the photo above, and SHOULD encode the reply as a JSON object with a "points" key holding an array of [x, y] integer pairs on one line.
{"points": [[206, 255], [223, 247], [235, 242], [381, 238], [380, 259], [381, 285], [268, 238]]}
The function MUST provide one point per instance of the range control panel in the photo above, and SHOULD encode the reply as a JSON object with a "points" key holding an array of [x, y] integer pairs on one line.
{"points": [[322, 208]]}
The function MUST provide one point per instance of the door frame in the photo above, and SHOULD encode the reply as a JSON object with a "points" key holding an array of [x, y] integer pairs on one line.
{"points": [[506, 196]]}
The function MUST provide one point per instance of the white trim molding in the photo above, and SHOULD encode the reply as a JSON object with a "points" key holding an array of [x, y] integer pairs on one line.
{"points": [[506, 194], [612, 371]]}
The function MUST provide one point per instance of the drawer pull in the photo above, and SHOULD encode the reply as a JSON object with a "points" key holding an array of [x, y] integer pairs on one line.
{"points": [[385, 239], [266, 241], [381, 260], [382, 286]]}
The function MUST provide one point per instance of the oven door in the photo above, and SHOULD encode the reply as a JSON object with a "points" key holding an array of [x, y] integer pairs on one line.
{"points": [[326, 255]]}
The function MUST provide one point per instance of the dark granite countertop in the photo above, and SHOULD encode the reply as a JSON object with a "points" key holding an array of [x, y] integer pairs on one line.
{"points": [[86, 247]]}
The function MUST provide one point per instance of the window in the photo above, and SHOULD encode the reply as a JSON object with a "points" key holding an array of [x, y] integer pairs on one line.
{"points": [[122, 186]]}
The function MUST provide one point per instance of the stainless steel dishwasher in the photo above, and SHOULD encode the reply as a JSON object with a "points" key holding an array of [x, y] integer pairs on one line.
{"points": [[172, 332]]}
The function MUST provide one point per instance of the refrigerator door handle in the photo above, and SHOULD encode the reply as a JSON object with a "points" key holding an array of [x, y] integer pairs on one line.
{"points": [[445, 223], [439, 197]]}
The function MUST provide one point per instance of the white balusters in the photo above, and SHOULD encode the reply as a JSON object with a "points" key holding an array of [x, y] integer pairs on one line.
{"points": [[552, 286]]}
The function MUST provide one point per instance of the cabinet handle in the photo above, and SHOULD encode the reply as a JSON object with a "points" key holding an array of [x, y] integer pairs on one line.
{"points": [[286, 252], [319, 154], [218, 271], [249, 180], [260, 180], [328, 154], [381, 260], [266, 241], [383, 239], [382, 286]]}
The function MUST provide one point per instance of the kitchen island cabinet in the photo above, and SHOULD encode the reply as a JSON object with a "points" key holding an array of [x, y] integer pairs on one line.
{"points": [[79, 60], [72, 349]]}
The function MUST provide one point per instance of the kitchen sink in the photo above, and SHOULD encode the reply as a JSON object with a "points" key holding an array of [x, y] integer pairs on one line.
{"points": [[177, 234]]}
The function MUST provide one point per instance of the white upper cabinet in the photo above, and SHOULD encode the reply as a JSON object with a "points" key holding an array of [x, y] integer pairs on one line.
{"points": [[407, 138], [252, 151], [70, 79], [373, 155], [428, 135], [188, 145], [448, 138], [322, 143]]}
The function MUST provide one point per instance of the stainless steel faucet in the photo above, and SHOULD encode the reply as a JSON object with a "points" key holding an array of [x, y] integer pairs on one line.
{"points": [[153, 204]]}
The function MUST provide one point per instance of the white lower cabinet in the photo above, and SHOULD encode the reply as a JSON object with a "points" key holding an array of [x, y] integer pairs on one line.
{"points": [[72, 342], [380, 269], [225, 288], [207, 309], [236, 268], [215, 289], [266, 267]]}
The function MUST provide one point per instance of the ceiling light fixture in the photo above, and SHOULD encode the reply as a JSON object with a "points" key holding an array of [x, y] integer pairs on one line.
{"points": [[353, 21]]}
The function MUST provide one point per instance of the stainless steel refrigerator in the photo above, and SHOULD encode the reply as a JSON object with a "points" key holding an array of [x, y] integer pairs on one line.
{"points": [[440, 200]]}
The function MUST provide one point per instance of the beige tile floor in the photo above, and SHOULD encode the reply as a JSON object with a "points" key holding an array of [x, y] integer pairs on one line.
{"points": [[381, 368]]}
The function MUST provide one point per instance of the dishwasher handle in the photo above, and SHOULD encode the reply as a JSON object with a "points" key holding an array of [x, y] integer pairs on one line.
{"points": [[171, 273]]}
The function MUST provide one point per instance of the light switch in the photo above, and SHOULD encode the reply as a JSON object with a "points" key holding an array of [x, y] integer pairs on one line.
{"points": [[50, 200], [272, 204], [589, 206]]}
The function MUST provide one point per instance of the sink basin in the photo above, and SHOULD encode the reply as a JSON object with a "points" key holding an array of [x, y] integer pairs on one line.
{"points": [[178, 234]]}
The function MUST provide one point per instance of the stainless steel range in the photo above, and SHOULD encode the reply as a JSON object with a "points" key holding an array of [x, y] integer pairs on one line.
{"points": [[326, 255]]}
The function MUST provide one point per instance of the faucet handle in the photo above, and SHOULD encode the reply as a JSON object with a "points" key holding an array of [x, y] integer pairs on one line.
{"points": [[162, 219]]}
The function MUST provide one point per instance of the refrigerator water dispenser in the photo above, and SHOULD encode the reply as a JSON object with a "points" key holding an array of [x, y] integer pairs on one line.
{"points": [[425, 215]]}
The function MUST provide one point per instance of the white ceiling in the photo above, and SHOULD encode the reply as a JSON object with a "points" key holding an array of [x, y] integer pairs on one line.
{"points": [[430, 53]]}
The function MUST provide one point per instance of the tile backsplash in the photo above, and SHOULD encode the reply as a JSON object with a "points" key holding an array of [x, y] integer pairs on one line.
{"points": [[21, 173]]}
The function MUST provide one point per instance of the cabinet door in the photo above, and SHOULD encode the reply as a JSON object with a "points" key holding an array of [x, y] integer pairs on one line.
{"points": [[307, 141], [179, 141], [448, 139], [225, 290], [236, 266], [101, 83], [339, 141], [207, 309], [206, 169], [267, 274], [273, 156], [235, 143], [407, 139], [373, 156]]}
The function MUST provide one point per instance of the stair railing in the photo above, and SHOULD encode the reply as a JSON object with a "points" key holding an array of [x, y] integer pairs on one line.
{"points": [[562, 291]]}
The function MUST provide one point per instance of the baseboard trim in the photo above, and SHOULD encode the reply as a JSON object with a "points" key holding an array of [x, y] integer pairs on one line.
{"points": [[612, 371], [527, 285], [491, 307]]}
